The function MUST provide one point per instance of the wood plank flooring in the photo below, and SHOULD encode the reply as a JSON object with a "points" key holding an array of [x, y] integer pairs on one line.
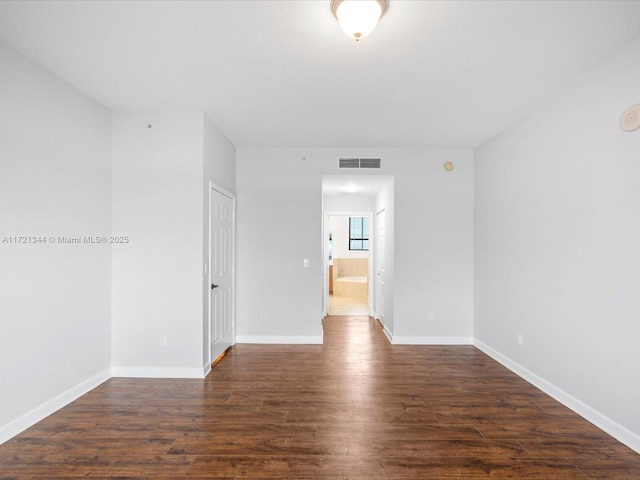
{"points": [[353, 408]]}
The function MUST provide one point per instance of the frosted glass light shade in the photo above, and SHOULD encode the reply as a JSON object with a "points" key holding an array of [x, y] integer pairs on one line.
{"points": [[358, 18]]}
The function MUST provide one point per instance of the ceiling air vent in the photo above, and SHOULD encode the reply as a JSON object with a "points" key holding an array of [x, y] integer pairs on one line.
{"points": [[369, 163], [349, 163], [359, 163]]}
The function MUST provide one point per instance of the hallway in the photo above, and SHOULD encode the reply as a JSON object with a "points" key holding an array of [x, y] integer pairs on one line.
{"points": [[356, 407], [348, 306]]}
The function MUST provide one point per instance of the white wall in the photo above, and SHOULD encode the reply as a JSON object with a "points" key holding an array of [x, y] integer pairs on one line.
{"points": [[54, 298], [157, 286], [434, 248], [219, 159], [279, 216], [348, 203], [279, 224], [557, 246]]}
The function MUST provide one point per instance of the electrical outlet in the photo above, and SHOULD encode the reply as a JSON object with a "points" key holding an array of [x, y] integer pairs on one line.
{"points": [[264, 315], [520, 338], [164, 340], [431, 316]]}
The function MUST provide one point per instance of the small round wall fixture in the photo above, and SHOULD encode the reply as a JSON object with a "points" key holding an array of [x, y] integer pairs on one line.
{"points": [[630, 119], [448, 166], [358, 18]]}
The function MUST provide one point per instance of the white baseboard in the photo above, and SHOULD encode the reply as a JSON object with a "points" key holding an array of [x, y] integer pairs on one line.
{"points": [[601, 421], [29, 419], [158, 372], [398, 340], [282, 340], [387, 333]]}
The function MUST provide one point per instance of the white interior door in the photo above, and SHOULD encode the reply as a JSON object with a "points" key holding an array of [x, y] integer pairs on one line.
{"points": [[379, 252], [221, 272]]}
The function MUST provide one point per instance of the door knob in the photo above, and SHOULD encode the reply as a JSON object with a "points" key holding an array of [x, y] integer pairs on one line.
{"points": [[213, 285]]}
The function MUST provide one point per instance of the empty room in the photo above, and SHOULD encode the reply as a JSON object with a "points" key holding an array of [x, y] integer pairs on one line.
{"points": [[331, 239]]}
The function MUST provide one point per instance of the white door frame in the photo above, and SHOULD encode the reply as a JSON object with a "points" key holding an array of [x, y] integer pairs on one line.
{"points": [[379, 296], [226, 193]]}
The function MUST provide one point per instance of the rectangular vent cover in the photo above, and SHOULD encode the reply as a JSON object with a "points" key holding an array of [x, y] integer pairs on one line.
{"points": [[349, 163], [359, 163], [369, 163]]}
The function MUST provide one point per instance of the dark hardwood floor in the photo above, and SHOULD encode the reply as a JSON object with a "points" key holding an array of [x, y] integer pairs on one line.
{"points": [[353, 408]]}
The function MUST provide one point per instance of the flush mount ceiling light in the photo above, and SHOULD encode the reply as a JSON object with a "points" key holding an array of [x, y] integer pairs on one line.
{"points": [[358, 18], [351, 188]]}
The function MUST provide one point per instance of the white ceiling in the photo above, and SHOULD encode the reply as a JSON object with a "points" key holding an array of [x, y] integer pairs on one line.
{"points": [[281, 72], [365, 185]]}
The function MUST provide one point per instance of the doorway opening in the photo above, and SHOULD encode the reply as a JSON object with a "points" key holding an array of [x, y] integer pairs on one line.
{"points": [[349, 263], [357, 246], [220, 329]]}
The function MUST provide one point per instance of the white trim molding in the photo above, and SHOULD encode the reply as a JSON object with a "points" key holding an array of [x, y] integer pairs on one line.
{"points": [[387, 333], [590, 414], [158, 372], [280, 340], [398, 340], [29, 419]]}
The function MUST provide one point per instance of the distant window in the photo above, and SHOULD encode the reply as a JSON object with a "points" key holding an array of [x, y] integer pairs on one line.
{"points": [[358, 233]]}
